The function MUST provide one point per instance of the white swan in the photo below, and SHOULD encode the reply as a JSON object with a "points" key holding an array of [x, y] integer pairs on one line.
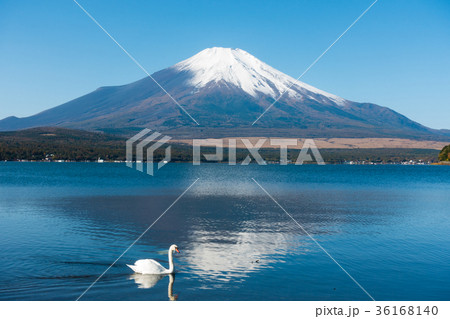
{"points": [[152, 267]]}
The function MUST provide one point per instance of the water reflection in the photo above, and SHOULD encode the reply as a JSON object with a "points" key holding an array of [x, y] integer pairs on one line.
{"points": [[149, 281], [240, 254]]}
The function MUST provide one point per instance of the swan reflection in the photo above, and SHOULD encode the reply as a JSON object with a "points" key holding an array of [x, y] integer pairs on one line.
{"points": [[170, 288], [149, 281]]}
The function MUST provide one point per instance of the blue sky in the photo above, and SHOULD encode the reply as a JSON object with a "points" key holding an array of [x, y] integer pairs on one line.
{"points": [[398, 55]]}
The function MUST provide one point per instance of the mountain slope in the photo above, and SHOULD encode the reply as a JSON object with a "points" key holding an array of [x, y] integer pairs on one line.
{"points": [[225, 90]]}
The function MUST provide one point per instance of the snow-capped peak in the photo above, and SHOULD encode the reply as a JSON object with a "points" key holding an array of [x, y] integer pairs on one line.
{"points": [[241, 69]]}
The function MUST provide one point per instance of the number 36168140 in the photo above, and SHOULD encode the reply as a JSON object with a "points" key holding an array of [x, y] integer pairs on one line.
{"points": [[407, 310]]}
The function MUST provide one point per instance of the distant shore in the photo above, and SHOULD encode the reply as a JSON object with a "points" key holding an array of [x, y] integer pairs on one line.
{"points": [[442, 163], [409, 163], [67, 145]]}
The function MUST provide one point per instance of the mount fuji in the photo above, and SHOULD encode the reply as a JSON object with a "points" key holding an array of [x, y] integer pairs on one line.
{"points": [[225, 90]]}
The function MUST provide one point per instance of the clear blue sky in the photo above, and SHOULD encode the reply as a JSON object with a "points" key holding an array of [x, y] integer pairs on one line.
{"points": [[398, 55]]}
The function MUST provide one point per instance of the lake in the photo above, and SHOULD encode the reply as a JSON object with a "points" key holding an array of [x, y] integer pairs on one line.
{"points": [[63, 224]]}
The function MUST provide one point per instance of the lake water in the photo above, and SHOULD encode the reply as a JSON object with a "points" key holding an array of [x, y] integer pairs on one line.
{"points": [[64, 224]]}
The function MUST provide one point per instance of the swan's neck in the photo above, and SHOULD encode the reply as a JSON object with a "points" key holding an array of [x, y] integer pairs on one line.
{"points": [[171, 267]]}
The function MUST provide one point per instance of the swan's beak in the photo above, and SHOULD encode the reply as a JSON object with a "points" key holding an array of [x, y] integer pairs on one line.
{"points": [[177, 250]]}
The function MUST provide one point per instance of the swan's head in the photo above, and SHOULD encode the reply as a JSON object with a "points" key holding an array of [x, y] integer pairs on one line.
{"points": [[174, 248]]}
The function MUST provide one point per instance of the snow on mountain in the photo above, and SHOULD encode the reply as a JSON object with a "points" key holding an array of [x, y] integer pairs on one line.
{"points": [[215, 66]]}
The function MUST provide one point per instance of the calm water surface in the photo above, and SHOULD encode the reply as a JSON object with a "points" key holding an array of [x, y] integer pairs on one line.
{"points": [[63, 224]]}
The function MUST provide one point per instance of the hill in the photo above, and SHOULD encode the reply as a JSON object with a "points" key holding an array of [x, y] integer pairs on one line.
{"points": [[444, 155]]}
